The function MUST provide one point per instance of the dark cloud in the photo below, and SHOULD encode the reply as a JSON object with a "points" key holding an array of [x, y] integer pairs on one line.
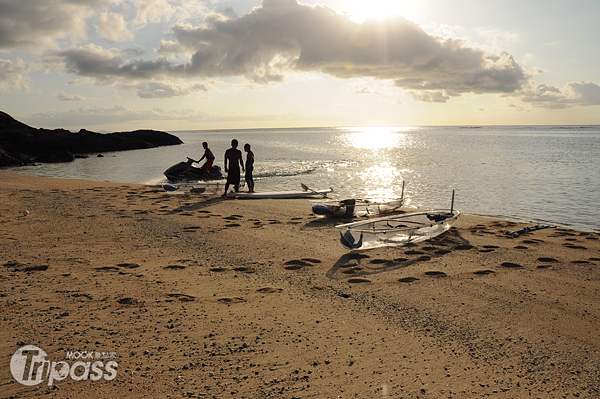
{"points": [[28, 25], [283, 35]]}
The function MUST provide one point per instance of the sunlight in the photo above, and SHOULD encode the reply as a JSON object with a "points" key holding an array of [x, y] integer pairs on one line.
{"points": [[362, 10], [374, 138]]}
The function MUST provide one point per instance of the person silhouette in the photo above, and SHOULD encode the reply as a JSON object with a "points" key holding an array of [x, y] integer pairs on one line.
{"points": [[233, 161], [249, 168]]}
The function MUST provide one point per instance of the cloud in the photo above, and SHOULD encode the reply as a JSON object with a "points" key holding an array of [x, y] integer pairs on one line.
{"points": [[36, 26], [285, 36], [149, 79], [165, 89], [430, 96], [263, 46], [62, 96], [113, 27], [583, 93], [13, 75]]}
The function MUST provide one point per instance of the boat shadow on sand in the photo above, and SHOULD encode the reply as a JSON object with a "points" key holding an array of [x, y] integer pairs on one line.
{"points": [[357, 264]]}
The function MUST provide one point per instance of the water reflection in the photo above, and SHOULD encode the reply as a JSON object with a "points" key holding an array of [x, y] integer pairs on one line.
{"points": [[374, 138], [383, 180]]}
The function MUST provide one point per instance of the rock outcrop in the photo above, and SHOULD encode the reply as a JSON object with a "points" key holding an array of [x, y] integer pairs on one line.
{"points": [[21, 144]]}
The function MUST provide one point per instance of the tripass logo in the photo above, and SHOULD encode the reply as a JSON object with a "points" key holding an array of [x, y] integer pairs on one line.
{"points": [[30, 367]]}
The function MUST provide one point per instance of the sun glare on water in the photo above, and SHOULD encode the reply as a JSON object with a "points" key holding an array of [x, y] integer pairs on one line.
{"points": [[362, 9], [375, 138]]}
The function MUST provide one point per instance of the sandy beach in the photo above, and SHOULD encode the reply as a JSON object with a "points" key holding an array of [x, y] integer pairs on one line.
{"points": [[208, 297]]}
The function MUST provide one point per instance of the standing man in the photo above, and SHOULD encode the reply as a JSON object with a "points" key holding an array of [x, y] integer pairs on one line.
{"points": [[232, 157], [249, 168]]}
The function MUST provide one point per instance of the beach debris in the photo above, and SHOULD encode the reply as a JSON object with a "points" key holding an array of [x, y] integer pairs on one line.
{"points": [[528, 229], [25, 212]]}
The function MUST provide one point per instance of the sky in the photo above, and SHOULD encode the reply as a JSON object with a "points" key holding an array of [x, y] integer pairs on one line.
{"points": [[116, 65]]}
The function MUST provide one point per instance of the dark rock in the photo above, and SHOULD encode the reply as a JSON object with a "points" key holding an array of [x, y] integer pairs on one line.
{"points": [[21, 144]]}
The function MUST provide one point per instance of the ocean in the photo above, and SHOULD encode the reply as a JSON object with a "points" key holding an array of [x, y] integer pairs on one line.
{"points": [[538, 174]]}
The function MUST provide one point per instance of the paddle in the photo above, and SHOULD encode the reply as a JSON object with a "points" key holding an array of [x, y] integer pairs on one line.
{"points": [[306, 188]]}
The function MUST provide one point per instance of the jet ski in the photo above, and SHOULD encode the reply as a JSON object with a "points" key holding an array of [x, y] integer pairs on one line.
{"points": [[187, 171]]}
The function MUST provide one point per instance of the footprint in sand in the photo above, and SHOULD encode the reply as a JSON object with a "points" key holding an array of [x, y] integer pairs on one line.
{"points": [[128, 265], [129, 301], [218, 269], [547, 260], [297, 264], [572, 246], [511, 265], [174, 267], [484, 272], [231, 300], [521, 247], [442, 251], [37, 268], [233, 225], [463, 247], [182, 297], [413, 252], [580, 262], [269, 290], [435, 273], [244, 269], [595, 259], [408, 279], [358, 280]]}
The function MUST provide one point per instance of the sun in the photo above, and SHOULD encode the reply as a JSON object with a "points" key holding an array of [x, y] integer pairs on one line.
{"points": [[362, 10]]}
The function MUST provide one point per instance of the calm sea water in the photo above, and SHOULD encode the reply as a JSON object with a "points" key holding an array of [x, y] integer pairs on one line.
{"points": [[543, 174]]}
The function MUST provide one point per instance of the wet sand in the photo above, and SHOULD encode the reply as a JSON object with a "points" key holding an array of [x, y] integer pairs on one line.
{"points": [[203, 296]]}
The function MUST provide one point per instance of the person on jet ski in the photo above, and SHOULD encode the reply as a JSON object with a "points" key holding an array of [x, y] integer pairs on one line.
{"points": [[210, 158]]}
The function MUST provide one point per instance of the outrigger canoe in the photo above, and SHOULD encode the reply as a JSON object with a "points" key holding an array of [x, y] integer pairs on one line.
{"points": [[397, 230], [355, 207]]}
